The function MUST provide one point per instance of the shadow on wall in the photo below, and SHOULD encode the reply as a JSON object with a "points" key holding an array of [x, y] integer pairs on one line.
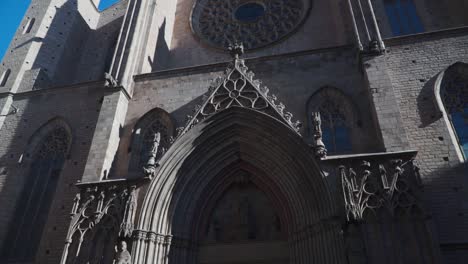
{"points": [[427, 108], [56, 63], [161, 53], [60, 49]]}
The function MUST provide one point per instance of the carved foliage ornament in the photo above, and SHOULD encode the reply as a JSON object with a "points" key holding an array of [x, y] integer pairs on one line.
{"points": [[238, 88], [91, 207], [369, 189], [255, 23]]}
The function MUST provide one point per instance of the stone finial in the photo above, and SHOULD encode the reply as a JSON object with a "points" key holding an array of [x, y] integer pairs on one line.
{"points": [[236, 50]]}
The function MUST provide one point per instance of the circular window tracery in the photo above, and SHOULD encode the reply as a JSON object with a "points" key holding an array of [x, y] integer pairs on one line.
{"points": [[254, 23], [249, 12]]}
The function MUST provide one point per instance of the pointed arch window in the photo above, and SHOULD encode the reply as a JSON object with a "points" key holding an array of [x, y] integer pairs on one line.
{"points": [[335, 130], [454, 95], [34, 203], [403, 17], [151, 138], [338, 116]]}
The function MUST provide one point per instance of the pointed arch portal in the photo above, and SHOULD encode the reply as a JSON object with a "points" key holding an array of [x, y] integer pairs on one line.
{"points": [[250, 155]]}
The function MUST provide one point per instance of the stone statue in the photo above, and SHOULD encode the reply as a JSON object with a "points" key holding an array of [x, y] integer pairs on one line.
{"points": [[126, 227], [151, 164], [319, 146], [122, 256], [110, 80]]}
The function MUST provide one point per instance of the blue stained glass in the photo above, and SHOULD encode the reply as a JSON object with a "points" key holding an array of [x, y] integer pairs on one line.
{"points": [[337, 139], [460, 124], [403, 17], [327, 138], [249, 12], [342, 139]]}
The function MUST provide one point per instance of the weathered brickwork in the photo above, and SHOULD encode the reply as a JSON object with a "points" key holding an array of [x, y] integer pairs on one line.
{"points": [[36, 109], [412, 65]]}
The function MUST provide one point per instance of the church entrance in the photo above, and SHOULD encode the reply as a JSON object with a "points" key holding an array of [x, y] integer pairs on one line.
{"points": [[243, 227]]}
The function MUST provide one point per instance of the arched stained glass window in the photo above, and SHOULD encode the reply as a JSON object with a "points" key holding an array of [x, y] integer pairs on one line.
{"points": [[34, 203], [454, 93], [337, 115], [403, 17], [336, 132]]}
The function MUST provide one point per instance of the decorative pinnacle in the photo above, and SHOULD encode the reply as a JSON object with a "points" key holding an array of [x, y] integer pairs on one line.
{"points": [[236, 50]]}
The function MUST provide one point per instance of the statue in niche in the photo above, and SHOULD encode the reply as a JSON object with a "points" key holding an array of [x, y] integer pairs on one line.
{"points": [[319, 146], [151, 163], [122, 255]]}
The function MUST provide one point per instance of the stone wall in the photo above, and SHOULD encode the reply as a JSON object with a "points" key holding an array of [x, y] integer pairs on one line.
{"points": [[412, 65], [324, 27], [35, 109], [294, 78]]}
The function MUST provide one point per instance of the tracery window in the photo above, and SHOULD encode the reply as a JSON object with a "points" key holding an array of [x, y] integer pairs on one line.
{"points": [[403, 17], [338, 118], [146, 141], [34, 203], [336, 133], [254, 23], [454, 93]]}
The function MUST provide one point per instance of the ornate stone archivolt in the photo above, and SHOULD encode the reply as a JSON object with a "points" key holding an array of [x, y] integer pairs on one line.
{"points": [[256, 23]]}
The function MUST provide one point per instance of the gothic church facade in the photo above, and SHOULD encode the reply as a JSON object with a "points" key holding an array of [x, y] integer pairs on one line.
{"points": [[235, 131]]}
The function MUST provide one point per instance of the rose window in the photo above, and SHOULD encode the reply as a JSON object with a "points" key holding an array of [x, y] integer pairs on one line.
{"points": [[254, 23]]}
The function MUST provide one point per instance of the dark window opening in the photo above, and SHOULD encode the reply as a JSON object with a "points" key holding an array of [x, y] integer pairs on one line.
{"points": [[29, 26], [34, 203], [403, 17], [249, 12], [336, 134], [4, 78], [454, 93]]}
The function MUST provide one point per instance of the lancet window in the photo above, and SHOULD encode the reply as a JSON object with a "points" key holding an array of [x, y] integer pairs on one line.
{"points": [[36, 198], [151, 139], [337, 116], [454, 94], [403, 17]]}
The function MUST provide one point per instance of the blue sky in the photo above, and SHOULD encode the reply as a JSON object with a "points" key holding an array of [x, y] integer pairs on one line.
{"points": [[11, 14]]}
